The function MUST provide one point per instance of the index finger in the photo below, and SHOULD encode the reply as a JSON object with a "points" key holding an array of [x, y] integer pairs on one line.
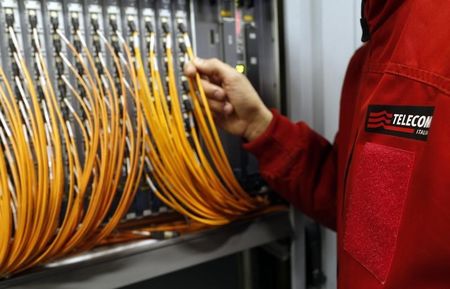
{"points": [[212, 67]]}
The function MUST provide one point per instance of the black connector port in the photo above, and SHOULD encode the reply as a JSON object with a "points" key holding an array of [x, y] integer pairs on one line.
{"points": [[40, 92], [57, 44], [55, 22], [113, 23], [132, 26], [34, 45], [185, 85], [9, 18], [95, 24], [131, 44], [182, 27], [36, 68], [188, 105], [80, 68], [77, 45], [15, 68], [183, 47], [75, 22], [116, 46], [59, 66], [99, 66], [11, 45], [96, 44], [187, 124], [182, 63], [165, 27], [32, 18], [149, 27], [62, 88]]}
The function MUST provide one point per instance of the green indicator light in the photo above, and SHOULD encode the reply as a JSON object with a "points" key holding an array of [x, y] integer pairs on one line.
{"points": [[240, 68]]}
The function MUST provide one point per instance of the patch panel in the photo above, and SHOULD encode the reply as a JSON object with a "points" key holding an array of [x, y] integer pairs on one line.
{"points": [[12, 41], [105, 163], [95, 30], [147, 28]]}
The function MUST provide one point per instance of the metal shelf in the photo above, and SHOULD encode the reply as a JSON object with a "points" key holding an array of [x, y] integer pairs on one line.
{"points": [[130, 263]]}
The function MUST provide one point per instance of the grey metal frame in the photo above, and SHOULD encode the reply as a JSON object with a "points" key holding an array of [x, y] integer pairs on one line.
{"points": [[127, 264]]}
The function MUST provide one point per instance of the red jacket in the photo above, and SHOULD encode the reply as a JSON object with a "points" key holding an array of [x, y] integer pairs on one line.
{"points": [[384, 184]]}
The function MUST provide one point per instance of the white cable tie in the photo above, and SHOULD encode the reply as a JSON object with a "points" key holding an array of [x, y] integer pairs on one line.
{"points": [[14, 212], [46, 114], [50, 163], [12, 189], [25, 132], [12, 34], [69, 106], [69, 129], [9, 156], [22, 92], [191, 120], [81, 38], [136, 41], [127, 140], [151, 184], [152, 47], [155, 63], [3, 138], [67, 83], [67, 62], [187, 41], [108, 104], [122, 58], [39, 64], [88, 104], [25, 116], [19, 63], [5, 124], [168, 41], [126, 84], [47, 132], [63, 37], [36, 40], [102, 36], [104, 81], [121, 39], [128, 165], [149, 164], [88, 129]]}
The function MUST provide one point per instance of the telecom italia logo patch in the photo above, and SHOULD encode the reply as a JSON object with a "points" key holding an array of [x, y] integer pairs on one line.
{"points": [[403, 121]]}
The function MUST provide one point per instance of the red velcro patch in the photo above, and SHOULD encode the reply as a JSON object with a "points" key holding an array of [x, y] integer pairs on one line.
{"points": [[378, 189]]}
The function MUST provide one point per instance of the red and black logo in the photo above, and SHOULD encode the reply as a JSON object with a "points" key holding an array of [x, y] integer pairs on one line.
{"points": [[403, 121]]}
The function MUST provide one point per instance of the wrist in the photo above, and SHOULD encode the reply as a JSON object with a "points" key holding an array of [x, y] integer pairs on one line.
{"points": [[258, 125]]}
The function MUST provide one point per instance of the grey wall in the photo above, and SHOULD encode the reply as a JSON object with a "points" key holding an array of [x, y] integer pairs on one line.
{"points": [[320, 37]]}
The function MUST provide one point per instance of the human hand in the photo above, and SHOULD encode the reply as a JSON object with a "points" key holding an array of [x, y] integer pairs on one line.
{"points": [[236, 105]]}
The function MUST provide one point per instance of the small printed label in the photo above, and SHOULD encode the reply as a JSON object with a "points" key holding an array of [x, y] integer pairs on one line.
{"points": [[404, 121]]}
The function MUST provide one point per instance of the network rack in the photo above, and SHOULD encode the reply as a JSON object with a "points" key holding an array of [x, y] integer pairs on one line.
{"points": [[80, 39]]}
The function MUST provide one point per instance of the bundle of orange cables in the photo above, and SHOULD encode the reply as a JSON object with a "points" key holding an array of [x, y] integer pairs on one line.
{"points": [[60, 171]]}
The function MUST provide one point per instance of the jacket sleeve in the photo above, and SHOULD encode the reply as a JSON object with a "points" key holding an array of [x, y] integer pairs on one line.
{"points": [[300, 165]]}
